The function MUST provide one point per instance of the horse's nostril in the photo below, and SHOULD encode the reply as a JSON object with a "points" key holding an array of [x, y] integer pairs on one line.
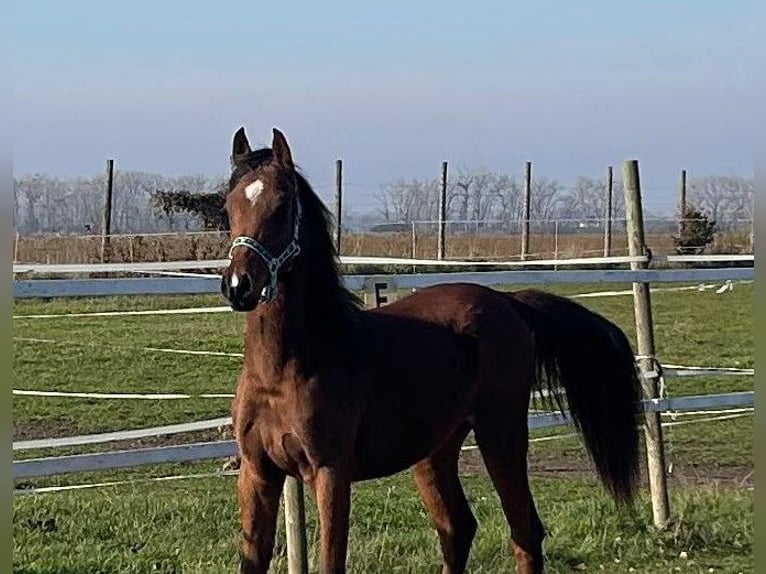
{"points": [[244, 283], [235, 286], [238, 291]]}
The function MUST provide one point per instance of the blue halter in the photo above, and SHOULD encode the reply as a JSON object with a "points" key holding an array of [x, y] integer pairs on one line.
{"points": [[274, 264]]}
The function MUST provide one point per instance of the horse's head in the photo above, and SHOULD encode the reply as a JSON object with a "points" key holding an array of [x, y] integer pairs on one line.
{"points": [[264, 218]]}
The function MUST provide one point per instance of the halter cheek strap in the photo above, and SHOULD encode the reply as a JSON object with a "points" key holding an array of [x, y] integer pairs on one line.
{"points": [[274, 264]]}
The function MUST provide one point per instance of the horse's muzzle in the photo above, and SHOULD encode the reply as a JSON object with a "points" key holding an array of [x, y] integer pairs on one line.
{"points": [[239, 291]]}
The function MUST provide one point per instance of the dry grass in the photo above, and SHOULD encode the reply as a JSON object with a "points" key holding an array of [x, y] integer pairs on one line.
{"points": [[122, 248], [201, 246]]}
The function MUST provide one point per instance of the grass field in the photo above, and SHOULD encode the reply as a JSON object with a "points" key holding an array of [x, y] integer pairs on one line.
{"points": [[190, 525]]}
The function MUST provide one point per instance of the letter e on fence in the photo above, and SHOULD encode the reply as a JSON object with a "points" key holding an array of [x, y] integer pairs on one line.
{"points": [[380, 291]]}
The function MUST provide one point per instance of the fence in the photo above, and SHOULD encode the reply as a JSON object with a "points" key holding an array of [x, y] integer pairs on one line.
{"points": [[639, 274], [199, 451], [469, 239], [47, 466], [527, 220]]}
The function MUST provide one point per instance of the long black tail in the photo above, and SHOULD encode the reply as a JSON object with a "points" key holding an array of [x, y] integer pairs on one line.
{"points": [[592, 359]]}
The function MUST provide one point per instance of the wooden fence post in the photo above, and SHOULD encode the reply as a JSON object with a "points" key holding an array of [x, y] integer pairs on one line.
{"points": [[106, 220], [682, 203], [414, 241], [752, 226], [655, 450], [441, 247], [295, 527], [525, 215], [609, 212], [338, 202]]}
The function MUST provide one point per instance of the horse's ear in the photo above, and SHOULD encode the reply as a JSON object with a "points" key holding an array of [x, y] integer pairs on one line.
{"points": [[240, 146], [281, 150]]}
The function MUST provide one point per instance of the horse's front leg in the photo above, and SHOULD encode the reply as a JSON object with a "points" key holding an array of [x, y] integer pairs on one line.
{"points": [[332, 488], [258, 495]]}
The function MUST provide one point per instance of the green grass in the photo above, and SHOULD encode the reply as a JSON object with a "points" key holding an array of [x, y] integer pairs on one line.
{"points": [[89, 369], [190, 526], [97, 304], [105, 354]]}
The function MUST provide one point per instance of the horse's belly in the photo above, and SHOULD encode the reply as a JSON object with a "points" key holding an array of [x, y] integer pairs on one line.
{"points": [[385, 447]]}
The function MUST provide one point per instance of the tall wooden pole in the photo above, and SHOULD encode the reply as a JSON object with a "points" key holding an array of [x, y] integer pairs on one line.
{"points": [[655, 450], [525, 215], [338, 202], [609, 212], [441, 241], [106, 220], [295, 527], [752, 226], [682, 203]]}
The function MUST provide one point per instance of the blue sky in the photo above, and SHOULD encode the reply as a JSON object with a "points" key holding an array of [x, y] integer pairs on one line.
{"points": [[392, 88]]}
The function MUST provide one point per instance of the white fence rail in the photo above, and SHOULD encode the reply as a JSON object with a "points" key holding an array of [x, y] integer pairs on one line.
{"points": [[39, 467], [714, 258], [667, 371], [150, 266], [155, 266], [47, 288], [47, 466], [100, 438]]}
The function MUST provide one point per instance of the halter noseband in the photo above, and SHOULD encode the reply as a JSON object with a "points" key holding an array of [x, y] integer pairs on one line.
{"points": [[273, 264]]}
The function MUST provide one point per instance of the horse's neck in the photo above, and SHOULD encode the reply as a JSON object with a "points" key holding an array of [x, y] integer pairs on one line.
{"points": [[302, 325], [275, 334]]}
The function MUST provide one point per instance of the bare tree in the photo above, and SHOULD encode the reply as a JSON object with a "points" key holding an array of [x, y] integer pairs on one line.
{"points": [[28, 191], [88, 203], [723, 197], [43, 203], [587, 199], [545, 197], [132, 193], [476, 195], [406, 201], [510, 199], [473, 196]]}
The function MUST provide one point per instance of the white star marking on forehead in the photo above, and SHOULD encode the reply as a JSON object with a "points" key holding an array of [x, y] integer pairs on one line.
{"points": [[253, 190]]}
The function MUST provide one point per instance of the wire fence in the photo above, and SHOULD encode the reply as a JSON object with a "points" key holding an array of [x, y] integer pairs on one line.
{"points": [[466, 239]]}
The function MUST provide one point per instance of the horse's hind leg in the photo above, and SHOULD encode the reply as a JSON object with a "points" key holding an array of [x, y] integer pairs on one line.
{"points": [[503, 444], [437, 480]]}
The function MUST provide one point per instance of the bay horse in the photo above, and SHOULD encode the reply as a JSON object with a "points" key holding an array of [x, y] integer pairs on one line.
{"points": [[331, 394]]}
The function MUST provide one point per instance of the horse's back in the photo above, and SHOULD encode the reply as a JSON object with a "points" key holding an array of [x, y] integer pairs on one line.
{"points": [[458, 306], [464, 308], [434, 357], [503, 337]]}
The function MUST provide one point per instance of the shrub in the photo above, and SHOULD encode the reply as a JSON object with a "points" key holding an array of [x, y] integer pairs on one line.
{"points": [[696, 232]]}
